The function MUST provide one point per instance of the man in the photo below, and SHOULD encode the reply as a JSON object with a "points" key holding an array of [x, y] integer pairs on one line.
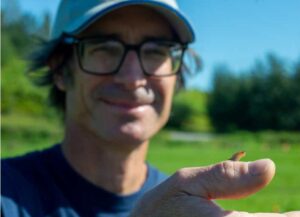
{"points": [[113, 70]]}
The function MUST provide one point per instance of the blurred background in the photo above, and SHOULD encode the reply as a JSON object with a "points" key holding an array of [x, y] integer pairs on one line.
{"points": [[246, 96]]}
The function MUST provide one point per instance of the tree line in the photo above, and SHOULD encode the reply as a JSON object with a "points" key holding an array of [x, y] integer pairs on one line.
{"points": [[21, 32], [265, 97]]}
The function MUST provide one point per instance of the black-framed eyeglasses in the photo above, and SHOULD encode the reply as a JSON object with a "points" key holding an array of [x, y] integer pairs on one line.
{"points": [[104, 56]]}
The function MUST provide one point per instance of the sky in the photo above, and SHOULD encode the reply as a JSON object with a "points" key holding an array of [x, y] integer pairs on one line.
{"points": [[232, 32]]}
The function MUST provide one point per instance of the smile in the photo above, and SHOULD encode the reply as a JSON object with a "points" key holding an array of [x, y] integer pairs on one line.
{"points": [[126, 107]]}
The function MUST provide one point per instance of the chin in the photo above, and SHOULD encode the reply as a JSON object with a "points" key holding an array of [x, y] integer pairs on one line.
{"points": [[132, 135], [128, 141]]}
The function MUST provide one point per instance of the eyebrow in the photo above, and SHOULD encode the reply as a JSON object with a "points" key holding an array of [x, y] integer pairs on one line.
{"points": [[117, 37]]}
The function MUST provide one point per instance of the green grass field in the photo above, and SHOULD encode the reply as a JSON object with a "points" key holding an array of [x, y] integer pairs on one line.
{"points": [[283, 194]]}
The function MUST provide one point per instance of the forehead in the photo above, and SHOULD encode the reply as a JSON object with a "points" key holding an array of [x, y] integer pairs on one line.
{"points": [[132, 24]]}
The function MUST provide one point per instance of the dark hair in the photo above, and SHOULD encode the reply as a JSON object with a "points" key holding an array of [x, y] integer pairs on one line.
{"points": [[42, 75], [189, 68]]}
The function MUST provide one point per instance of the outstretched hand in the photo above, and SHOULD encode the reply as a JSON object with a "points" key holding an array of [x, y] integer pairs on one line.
{"points": [[190, 191]]}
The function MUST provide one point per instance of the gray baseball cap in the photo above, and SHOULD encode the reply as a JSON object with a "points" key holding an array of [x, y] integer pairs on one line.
{"points": [[73, 16]]}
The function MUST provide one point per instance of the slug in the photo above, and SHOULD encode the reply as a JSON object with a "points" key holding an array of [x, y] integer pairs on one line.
{"points": [[238, 155]]}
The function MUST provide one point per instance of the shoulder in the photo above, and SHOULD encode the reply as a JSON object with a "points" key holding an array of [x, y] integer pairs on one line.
{"points": [[17, 170], [30, 164], [20, 177], [28, 170], [18, 195]]}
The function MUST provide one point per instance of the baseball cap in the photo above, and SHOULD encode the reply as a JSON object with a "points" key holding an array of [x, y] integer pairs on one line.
{"points": [[73, 16]]}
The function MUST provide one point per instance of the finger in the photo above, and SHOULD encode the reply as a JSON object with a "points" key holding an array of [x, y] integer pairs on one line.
{"points": [[293, 214], [246, 214], [228, 179], [203, 207]]}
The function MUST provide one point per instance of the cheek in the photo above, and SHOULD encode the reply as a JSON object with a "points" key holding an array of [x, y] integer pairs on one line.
{"points": [[77, 103], [82, 95], [165, 87]]}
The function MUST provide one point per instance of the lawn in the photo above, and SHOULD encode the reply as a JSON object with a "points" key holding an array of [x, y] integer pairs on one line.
{"points": [[283, 194]]}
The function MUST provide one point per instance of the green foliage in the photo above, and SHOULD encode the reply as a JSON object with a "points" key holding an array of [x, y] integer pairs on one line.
{"points": [[17, 37], [20, 34], [20, 30], [23, 133], [25, 113], [8, 50], [266, 97], [189, 112], [18, 94]]}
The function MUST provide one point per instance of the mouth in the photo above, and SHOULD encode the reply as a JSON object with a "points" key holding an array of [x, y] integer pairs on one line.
{"points": [[122, 106]]}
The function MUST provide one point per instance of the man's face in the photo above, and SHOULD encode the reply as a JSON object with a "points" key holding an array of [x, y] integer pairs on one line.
{"points": [[128, 107]]}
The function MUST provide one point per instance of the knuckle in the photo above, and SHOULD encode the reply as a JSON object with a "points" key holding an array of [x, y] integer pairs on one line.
{"points": [[181, 173], [225, 170], [180, 176]]}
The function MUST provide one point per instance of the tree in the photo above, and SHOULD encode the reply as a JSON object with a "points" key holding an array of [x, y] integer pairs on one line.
{"points": [[266, 97], [222, 100]]}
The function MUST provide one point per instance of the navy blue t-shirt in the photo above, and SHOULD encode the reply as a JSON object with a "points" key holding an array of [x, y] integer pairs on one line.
{"points": [[44, 184]]}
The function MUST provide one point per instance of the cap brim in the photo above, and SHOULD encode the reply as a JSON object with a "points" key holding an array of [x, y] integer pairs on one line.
{"points": [[176, 18]]}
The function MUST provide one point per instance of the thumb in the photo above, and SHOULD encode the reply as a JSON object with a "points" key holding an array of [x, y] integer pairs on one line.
{"points": [[228, 179]]}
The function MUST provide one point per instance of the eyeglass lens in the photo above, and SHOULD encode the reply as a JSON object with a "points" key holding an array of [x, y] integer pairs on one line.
{"points": [[103, 57]]}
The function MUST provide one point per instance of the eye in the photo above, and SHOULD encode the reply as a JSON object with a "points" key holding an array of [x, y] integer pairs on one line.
{"points": [[110, 48], [155, 50]]}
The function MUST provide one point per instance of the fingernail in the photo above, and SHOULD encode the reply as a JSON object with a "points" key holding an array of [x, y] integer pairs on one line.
{"points": [[259, 167]]}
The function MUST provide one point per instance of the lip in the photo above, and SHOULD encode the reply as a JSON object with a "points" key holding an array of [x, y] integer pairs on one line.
{"points": [[125, 106]]}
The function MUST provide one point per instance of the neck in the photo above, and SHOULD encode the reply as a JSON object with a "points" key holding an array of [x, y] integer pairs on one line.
{"points": [[113, 167]]}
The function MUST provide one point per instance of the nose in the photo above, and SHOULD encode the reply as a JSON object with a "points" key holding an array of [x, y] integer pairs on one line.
{"points": [[131, 74]]}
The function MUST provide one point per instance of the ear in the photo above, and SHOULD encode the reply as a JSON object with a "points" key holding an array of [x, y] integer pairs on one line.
{"points": [[58, 76], [60, 81]]}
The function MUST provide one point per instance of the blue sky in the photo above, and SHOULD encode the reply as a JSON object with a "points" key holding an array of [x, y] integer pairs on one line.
{"points": [[231, 32]]}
